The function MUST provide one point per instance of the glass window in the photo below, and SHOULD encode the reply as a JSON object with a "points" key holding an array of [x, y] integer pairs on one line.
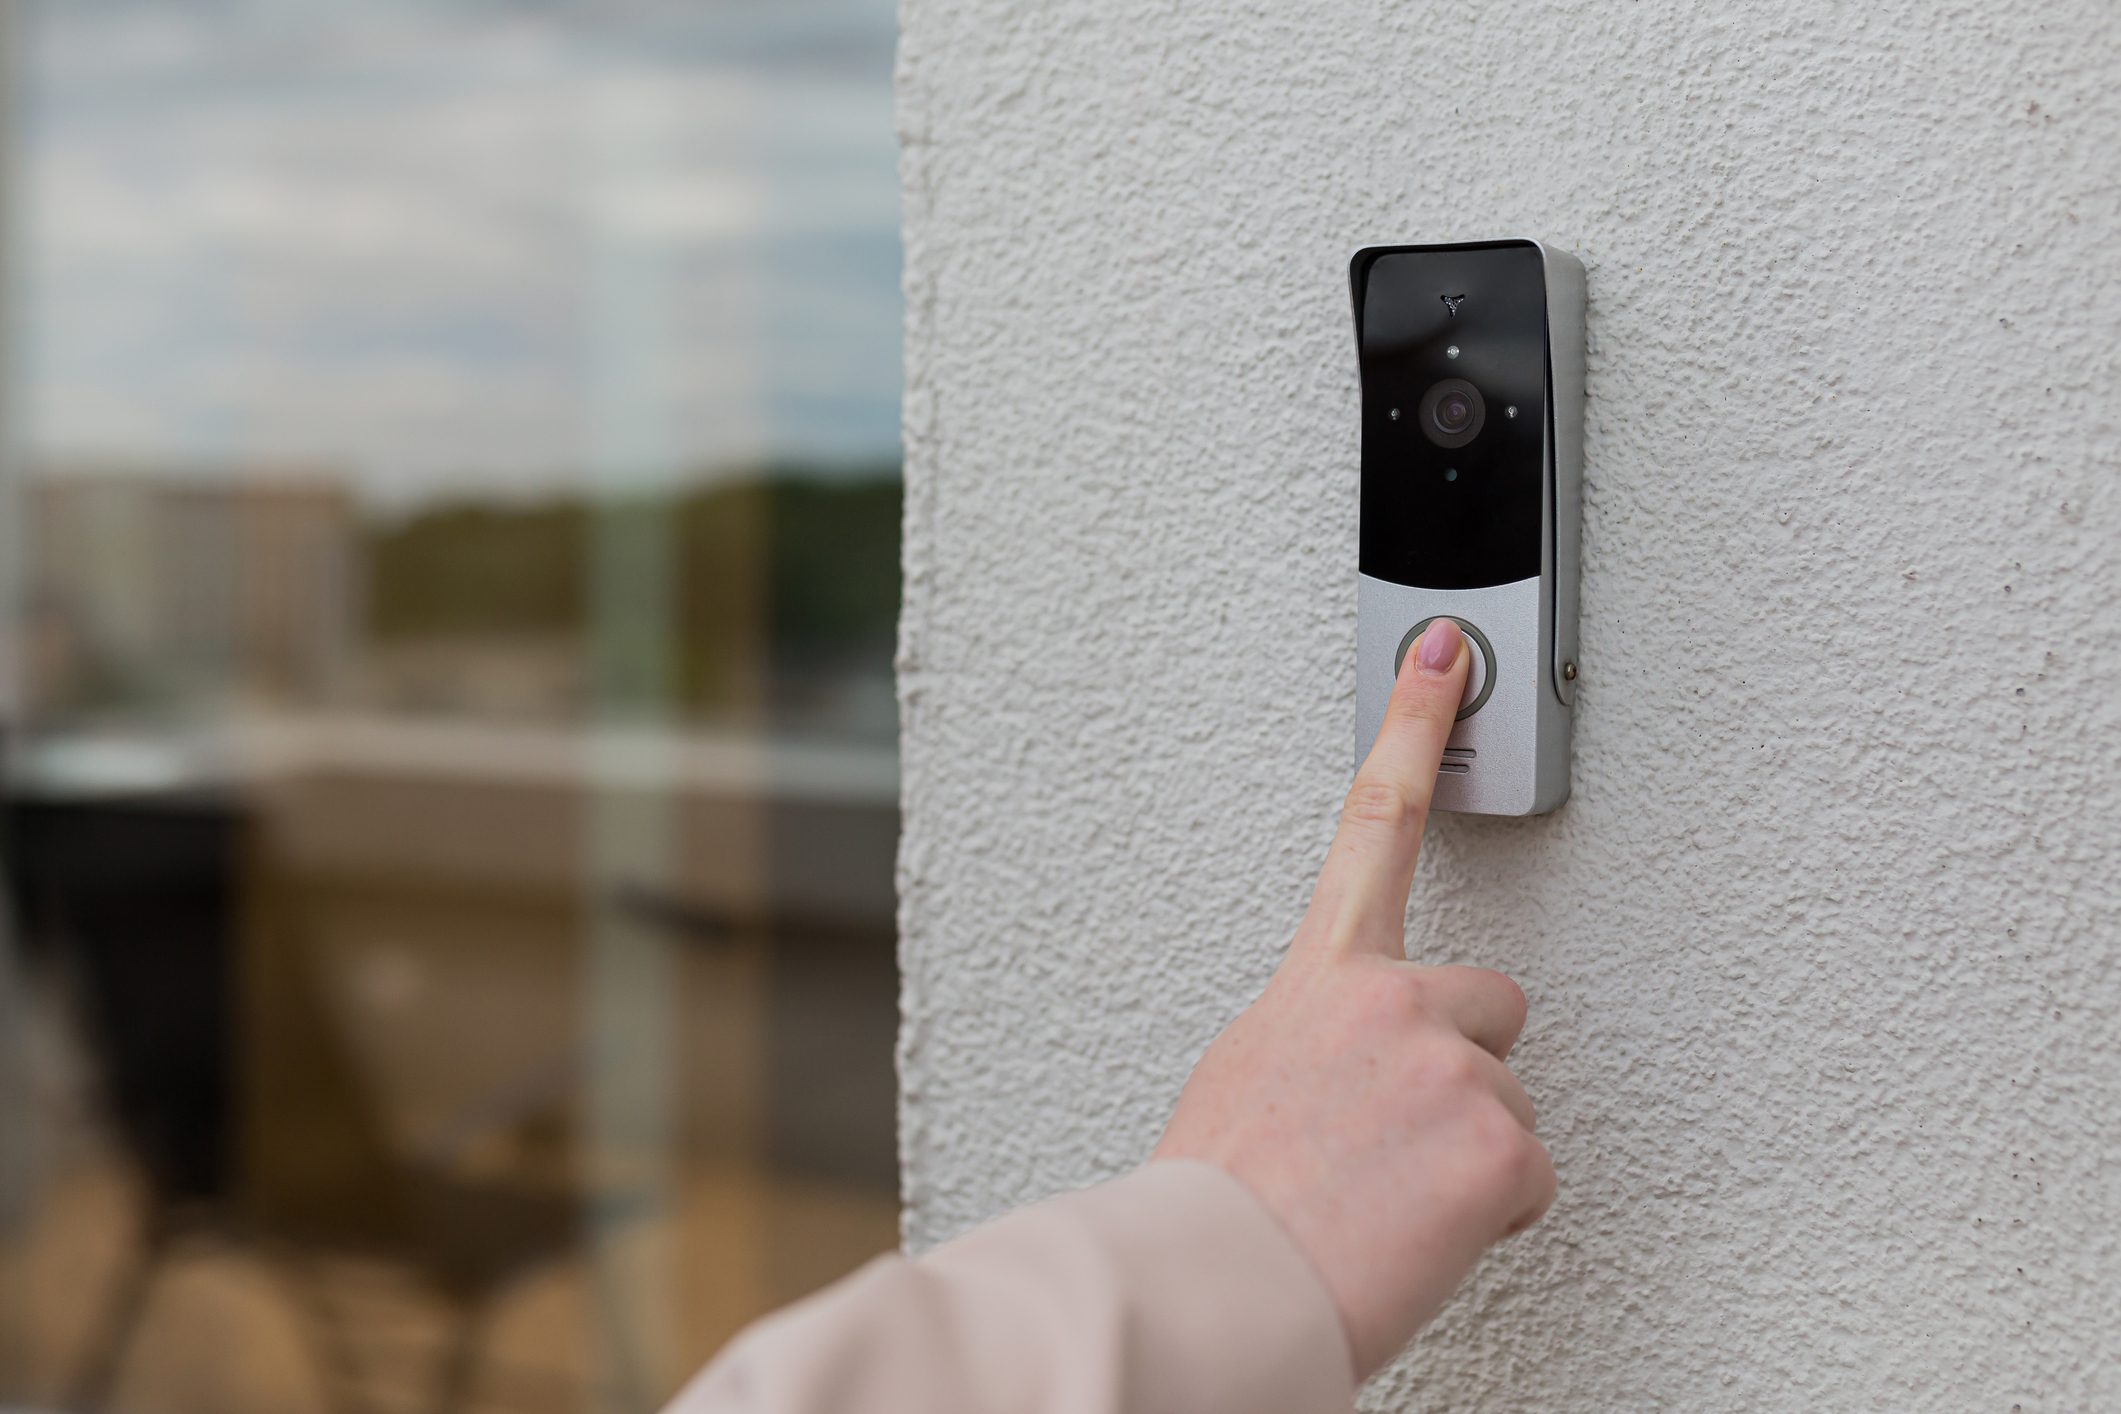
{"points": [[450, 778]]}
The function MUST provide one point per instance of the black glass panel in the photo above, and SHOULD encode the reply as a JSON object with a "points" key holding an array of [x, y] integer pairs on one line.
{"points": [[1434, 515]]}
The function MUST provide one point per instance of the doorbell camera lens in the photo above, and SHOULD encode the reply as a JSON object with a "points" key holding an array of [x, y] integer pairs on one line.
{"points": [[1452, 413]]}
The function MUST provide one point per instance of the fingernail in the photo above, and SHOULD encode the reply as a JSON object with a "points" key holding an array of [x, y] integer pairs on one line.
{"points": [[1438, 649]]}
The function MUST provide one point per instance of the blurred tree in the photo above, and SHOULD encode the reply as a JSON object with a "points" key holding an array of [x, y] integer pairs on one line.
{"points": [[816, 557]]}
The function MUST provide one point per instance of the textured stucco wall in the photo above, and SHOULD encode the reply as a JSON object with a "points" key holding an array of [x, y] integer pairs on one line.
{"points": [[1825, 954]]}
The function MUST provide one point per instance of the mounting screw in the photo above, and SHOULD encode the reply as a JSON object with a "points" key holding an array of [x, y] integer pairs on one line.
{"points": [[1568, 672]]}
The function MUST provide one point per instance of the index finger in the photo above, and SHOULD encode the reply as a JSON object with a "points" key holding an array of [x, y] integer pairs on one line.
{"points": [[1370, 868]]}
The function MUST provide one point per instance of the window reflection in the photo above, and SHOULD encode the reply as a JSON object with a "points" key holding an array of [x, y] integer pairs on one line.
{"points": [[450, 787]]}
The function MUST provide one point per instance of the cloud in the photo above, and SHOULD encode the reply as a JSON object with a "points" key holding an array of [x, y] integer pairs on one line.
{"points": [[469, 252]]}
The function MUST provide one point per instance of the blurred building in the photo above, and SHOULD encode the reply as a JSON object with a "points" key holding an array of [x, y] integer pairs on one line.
{"points": [[148, 591]]}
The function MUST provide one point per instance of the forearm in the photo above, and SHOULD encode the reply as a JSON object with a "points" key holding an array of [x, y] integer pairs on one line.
{"points": [[1169, 1290]]}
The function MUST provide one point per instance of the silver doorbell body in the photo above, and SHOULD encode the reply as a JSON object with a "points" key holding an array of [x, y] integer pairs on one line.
{"points": [[1472, 462]]}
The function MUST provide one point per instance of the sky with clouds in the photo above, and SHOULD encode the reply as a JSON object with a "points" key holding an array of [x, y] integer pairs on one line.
{"points": [[484, 248]]}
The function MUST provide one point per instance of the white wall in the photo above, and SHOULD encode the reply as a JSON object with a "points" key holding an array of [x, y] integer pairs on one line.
{"points": [[1825, 954]]}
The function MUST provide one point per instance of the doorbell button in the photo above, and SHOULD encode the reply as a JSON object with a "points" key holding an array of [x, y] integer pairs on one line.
{"points": [[1480, 674]]}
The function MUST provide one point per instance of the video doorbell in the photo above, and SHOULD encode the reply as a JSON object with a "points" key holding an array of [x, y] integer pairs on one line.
{"points": [[1472, 462]]}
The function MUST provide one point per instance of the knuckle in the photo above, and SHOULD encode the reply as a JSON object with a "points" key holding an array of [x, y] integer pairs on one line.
{"points": [[1538, 1198], [1505, 1151], [1452, 1068], [1400, 992], [1514, 999], [1385, 804], [1547, 1180], [1541, 1184], [1496, 989]]}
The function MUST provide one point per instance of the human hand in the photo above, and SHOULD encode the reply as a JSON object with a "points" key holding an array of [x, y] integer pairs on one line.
{"points": [[1363, 1099]]}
